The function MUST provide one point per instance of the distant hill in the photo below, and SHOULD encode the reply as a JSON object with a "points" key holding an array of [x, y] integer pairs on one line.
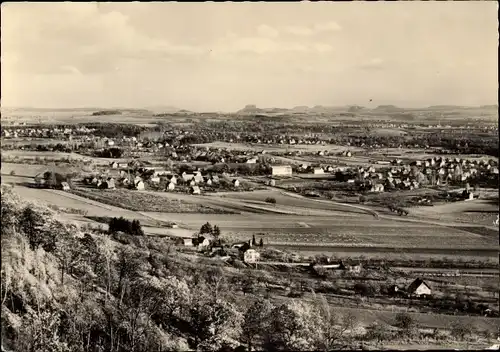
{"points": [[163, 109], [388, 108]]}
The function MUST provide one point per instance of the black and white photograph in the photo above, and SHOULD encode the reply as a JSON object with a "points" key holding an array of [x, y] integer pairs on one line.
{"points": [[254, 176]]}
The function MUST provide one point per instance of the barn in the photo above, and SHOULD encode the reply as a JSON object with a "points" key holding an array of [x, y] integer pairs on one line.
{"points": [[281, 170]]}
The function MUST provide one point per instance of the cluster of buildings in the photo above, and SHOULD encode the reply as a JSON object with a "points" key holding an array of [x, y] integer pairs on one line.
{"points": [[436, 171], [245, 251], [32, 132], [130, 176]]}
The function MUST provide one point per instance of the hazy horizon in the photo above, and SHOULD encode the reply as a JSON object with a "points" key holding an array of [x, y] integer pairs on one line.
{"points": [[223, 56]]}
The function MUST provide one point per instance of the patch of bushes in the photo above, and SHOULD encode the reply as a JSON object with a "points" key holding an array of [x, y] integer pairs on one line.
{"points": [[271, 200], [121, 224]]}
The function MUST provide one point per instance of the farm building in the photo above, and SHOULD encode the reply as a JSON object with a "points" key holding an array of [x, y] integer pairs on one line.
{"points": [[65, 186], [172, 179], [251, 256], [187, 177], [188, 242], [40, 180], [139, 185], [204, 244], [271, 183], [155, 179], [419, 288], [251, 161], [107, 184], [354, 268], [318, 171], [114, 165], [195, 190], [125, 181], [377, 188], [170, 186], [281, 170], [236, 183], [198, 178]]}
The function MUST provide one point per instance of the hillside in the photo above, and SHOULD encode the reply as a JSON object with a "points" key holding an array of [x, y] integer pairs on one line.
{"points": [[431, 113]]}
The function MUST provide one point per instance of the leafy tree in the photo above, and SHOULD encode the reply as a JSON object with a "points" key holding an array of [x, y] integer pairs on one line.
{"points": [[270, 200], [10, 211], [206, 228], [254, 241], [40, 332], [292, 327], [216, 280], [261, 242], [406, 323], [68, 252], [34, 227], [332, 327], [256, 322], [127, 268], [216, 233], [213, 322], [460, 330]]}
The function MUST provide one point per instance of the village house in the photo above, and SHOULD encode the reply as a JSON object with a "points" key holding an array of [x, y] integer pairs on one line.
{"points": [[419, 288], [172, 179], [107, 184], [318, 171], [208, 181], [170, 186], [281, 170], [65, 186], [195, 190], [251, 161], [139, 185], [187, 177], [114, 165], [251, 256], [198, 178], [236, 183], [377, 188]]}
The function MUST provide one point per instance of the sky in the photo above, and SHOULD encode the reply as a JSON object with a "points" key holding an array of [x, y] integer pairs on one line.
{"points": [[222, 56]]}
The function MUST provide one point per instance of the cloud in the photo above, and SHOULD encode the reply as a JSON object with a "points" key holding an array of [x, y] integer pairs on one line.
{"points": [[84, 38], [373, 64], [322, 48], [299, 30], [312, 30], [231, 45], [327, 27], [267, 31]]}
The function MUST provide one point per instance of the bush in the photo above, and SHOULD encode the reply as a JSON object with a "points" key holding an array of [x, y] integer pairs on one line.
{"points": [[406, 323], [460, 330], [271, 200], [12, 173], [121, 224]]}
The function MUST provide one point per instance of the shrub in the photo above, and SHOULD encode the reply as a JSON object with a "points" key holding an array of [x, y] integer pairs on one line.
{"points": [[460, 330], [271, 200], [12, 173], [405, 322], [121, 224]]}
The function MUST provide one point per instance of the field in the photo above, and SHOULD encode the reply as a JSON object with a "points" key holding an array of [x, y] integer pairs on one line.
{"points": [[279, 148], [138, 201], [294, 222]]}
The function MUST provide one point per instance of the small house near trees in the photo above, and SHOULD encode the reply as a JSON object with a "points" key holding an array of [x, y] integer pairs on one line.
{"points": [[419, 288]]}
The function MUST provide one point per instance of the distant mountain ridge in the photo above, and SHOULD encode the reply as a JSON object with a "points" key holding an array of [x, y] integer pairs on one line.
{"points": [[388, 111]]}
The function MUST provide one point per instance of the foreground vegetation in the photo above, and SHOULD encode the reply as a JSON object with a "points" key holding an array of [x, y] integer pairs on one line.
{"points": [[66, 290]]}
